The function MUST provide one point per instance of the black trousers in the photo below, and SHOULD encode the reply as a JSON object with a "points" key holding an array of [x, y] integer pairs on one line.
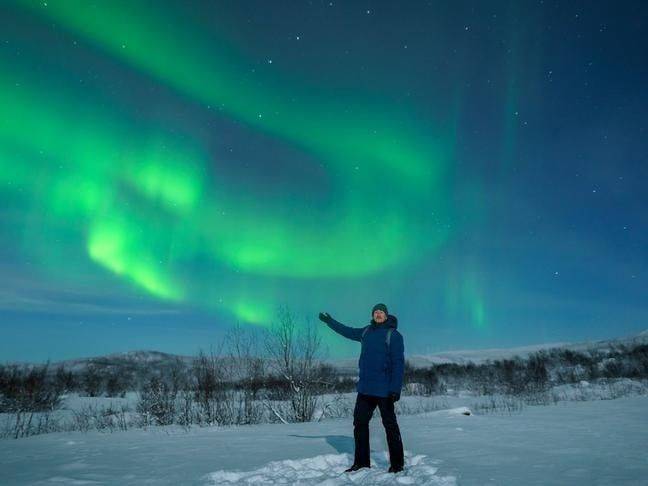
{"points": [[364, 408]]}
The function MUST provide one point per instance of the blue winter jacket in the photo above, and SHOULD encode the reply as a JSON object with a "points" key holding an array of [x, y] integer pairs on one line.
{"points": [[381, 370]]}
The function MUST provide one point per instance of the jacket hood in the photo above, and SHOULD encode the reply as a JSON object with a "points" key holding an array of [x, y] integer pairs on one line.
{"points": [[392, 321]]}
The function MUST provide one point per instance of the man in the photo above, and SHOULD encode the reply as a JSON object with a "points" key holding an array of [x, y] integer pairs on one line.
{"points": [[381, 378]]}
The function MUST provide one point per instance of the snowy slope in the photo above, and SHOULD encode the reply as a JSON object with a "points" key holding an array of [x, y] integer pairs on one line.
{"points": [[599, 442], [144, 359], [477, 356], [482, 355], [129, 358], [463, 356]]}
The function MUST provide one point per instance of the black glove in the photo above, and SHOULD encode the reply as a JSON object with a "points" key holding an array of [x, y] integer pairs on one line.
{"points": [[394, 397], [325, 317]]}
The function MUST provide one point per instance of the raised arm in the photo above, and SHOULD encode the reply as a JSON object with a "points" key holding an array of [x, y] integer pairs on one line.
{"points": [[353, 333]]}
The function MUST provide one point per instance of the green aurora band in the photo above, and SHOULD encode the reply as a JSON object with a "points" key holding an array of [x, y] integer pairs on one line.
{"points": [[145, 206]]}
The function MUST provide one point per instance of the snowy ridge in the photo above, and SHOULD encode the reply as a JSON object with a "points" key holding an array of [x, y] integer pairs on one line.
{"points": [[478, 356], [146, 358], [139, 358], [328, 470], [481, 355]]}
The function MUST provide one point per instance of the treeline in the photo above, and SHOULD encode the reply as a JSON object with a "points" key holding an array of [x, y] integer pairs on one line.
{"points": [[535, 373], [40, 387], [99, 377]]}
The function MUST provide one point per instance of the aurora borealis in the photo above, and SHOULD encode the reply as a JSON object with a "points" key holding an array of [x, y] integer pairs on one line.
{"points": [[168, 169]]}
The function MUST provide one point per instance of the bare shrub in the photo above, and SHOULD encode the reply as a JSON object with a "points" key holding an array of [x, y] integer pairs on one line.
{"points": [[110, 419], [91, 381], [293, 353], [117, 384], [415, 405], [156, 404], [498, 404], [248, 370], [210, 390], [185, 408], [29, 396], [64, 380], [83, 418], [338, 406]]}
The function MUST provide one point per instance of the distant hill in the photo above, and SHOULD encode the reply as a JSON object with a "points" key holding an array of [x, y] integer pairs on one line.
{"points": [[155, 359], [478, 356], [481, 355], [129, 358]]}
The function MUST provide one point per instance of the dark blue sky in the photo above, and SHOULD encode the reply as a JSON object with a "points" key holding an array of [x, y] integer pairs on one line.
{"points": [[171, 168]]}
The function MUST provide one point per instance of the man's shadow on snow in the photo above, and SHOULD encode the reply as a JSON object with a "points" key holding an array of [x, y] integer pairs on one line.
{"points": [[341, 443]]}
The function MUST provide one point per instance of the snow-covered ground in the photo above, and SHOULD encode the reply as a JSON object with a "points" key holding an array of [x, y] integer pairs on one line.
{"points": [[572, 443]]}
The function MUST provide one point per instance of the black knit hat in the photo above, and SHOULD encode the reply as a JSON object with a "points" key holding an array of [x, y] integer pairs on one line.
{"points": [[381, 307]]}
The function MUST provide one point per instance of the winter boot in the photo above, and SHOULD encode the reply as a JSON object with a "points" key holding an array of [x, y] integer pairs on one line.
{"points": [[395, 469], [355, 467]]}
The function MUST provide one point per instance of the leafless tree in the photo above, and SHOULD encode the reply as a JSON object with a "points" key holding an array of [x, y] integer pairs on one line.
{"points": [[293, 353], [92, 380], [248, 369], [64, 380], [212, 390]]}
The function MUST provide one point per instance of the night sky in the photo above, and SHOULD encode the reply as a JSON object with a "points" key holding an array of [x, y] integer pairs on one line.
{"points": [[171, 168]]}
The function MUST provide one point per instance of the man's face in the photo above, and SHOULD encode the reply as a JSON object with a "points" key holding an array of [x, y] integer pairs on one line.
{"points": [[379, 316]]}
